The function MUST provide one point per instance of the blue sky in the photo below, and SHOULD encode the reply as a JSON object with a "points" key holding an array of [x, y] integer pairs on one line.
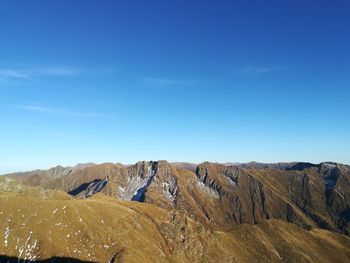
{"points": [[124, 81]]}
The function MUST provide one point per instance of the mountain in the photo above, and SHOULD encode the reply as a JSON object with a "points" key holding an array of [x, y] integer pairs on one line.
{"points": [[178, 212]]}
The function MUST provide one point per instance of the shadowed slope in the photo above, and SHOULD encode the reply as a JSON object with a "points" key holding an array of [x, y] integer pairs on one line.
{"points": [[49, 260]]}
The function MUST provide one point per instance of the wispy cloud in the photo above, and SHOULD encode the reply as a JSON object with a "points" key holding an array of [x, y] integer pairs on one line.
{"points": [[12, 73], [28, 73], [169, 82], [62, 112], [51, 71], [257, 70]]}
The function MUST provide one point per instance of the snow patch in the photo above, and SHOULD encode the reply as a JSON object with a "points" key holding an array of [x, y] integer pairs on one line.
{"points": [[135, 185], [139, 194], [170, 189], [27, 251], [6, 235], [208, 190]]}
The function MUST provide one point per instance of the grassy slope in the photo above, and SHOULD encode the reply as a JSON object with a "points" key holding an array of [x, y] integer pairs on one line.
{"points": [[98, 228]]}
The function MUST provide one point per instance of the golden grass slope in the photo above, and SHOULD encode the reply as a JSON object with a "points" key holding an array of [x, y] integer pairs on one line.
{"points": [[37, 224]]}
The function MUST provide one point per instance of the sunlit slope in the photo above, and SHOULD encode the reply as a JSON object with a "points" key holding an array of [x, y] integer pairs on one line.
{"points": [[41, 224], [94, 229]]}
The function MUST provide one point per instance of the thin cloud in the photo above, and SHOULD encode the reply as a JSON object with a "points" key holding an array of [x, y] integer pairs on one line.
{"points": [[258, 70], [29, 72], [13, 73], [62, 112], [169, 82], [56, 72]]}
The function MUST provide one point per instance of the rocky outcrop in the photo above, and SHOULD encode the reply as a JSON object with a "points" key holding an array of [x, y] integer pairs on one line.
{"points": [[88, 189], [138, 179]]}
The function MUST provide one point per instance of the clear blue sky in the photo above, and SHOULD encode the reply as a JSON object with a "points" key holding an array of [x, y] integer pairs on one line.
{"points": [[124, 81]]}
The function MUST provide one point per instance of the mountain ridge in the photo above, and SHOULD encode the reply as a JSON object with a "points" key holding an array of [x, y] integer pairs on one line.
{"points": [[183, 165], [213, 202]]}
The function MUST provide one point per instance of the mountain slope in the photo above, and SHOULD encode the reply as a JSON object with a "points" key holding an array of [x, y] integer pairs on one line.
{"points": [[175, 213], [221, 195], [39, 227]]}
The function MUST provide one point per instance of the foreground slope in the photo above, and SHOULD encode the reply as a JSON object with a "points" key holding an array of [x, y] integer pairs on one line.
{"points": [[38, 224]]}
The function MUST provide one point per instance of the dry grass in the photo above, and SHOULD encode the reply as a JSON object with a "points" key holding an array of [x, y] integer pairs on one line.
{"points": [[96, 229]]}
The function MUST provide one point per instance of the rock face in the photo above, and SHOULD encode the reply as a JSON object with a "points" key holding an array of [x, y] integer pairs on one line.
{"points": [[214, 197], [88, 189]]}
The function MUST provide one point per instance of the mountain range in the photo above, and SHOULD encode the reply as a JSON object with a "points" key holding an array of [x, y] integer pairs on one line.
{"points": [[156, 211]]}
